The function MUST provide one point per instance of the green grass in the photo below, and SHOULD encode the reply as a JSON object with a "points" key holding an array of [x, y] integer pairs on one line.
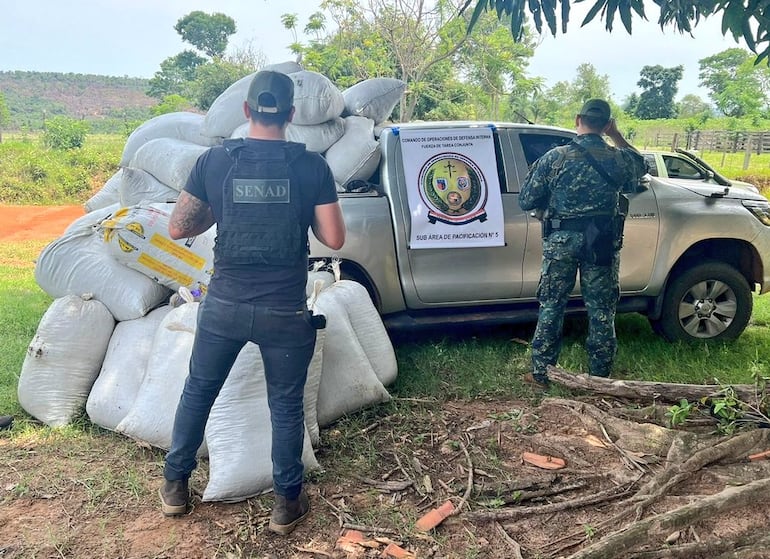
{"points": [[22, 304], [34, 174], [455, 364]]}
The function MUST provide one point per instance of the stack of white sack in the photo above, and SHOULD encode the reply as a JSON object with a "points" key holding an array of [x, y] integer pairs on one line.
{"points": [[132, 373], [339, 124], [120, 259]]}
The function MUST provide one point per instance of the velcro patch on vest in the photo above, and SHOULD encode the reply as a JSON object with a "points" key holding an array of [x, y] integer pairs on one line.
{"points": [[261, 191]]}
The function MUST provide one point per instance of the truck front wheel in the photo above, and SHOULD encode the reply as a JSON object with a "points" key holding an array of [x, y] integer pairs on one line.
{"points": [[710, 301]]}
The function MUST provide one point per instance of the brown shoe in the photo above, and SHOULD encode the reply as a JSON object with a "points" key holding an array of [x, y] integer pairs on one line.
{"points": [[537, 381], [174, 497], [287, 513]]}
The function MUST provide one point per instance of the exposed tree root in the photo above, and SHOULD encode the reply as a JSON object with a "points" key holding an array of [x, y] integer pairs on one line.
{"points": [[706, 549], [620, 543]]}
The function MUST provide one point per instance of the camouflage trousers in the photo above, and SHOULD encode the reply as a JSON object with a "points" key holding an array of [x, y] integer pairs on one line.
{"points": [[599, 289]]}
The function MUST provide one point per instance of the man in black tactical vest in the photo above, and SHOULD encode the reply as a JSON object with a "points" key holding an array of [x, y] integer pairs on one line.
{"points": [[263, 193]]}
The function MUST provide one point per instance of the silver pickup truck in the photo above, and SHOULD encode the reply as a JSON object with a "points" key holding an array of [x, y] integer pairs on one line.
{"points": [[693, 256]]}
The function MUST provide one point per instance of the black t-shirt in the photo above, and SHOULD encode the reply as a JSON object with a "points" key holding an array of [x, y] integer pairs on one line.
{"points": [[275, 285]]}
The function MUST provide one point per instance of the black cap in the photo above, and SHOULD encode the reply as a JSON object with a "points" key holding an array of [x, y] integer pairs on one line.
{"points": [[597, 108], [271, 92]]}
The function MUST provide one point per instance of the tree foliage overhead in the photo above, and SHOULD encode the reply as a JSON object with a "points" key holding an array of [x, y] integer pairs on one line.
{"points": [[747, 20]]}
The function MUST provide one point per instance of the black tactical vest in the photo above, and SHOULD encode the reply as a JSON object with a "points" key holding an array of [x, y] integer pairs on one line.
{"points": [[261, 208]]}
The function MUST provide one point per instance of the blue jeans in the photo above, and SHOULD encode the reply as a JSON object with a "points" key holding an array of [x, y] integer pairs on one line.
{"points": [[286, 341]]}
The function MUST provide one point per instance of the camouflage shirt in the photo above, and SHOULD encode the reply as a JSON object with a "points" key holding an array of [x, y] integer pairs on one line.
{"points": [[564, 182]]}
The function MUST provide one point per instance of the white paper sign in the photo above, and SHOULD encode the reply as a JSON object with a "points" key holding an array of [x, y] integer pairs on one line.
{"points": [[453, 188]]}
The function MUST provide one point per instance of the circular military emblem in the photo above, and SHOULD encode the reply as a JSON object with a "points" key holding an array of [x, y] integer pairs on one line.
{"points": [[453, 188]]}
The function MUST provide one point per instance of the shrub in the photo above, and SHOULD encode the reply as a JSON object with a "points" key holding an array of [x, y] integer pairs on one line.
{"points": [[62, 132]]}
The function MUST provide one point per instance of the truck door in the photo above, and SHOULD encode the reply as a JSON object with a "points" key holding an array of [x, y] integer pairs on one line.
{"points": [[472, 275]]}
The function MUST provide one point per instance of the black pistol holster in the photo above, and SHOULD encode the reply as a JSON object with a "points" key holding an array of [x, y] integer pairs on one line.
{"points": [[317, 321]]}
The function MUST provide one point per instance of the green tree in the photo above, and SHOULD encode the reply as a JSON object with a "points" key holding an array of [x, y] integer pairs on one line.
{"points": [[175, 73], [659, 87], [5, 115], [62, 132], [589, 84], [736, 84], [693, 106], [212, 78], [493, 62], [423, 45], [171, 104], [209, 33], [743, 20]]}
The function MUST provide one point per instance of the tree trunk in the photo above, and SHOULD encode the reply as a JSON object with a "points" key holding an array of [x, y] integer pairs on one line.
{"points": [[643, 390]]}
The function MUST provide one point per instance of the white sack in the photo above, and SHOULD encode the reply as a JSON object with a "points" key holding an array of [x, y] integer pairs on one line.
{"points": [[316, 98], [137, 186], [241, 131], [91, 219], [226, 112], [182, 125], [239, 434], [374, 98], [78, 262], [64, 358], [117, 385], [368, 328], [326, 279], [107, 194], [151, 418], [168, 160], [357, 154], [317, 137], [288, 67], [138, 238], [348, 381]]}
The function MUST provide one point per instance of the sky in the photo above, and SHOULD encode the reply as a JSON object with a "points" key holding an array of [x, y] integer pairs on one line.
{"points": [[132, 37]]}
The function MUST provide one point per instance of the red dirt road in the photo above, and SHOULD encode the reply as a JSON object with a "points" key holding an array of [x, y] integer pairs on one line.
{"points": [[24, 223]]}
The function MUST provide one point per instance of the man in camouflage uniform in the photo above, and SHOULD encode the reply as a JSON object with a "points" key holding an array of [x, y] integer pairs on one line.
{"points": [[575, 190]]}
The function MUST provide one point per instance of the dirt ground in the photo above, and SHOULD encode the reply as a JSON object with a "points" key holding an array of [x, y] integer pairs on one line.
{"points": [[24, 223], [94, 496]]}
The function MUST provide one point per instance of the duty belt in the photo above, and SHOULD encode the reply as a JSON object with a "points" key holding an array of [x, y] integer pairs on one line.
{"points": [[575, 223]]}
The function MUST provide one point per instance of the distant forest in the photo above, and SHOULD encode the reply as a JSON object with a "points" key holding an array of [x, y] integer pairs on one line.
{"points": [[110, 104]]}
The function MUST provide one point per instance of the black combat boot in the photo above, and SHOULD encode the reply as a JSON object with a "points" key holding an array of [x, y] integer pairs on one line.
{"points": [[287, 513], [6, 422], [174, 497]]}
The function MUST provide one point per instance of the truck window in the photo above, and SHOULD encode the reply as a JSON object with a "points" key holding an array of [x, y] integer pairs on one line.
{"points": [[535, 145], [681, 169]]}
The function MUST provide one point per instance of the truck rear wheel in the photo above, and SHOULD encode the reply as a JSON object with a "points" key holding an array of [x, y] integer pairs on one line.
{"points": [[710, 301]]}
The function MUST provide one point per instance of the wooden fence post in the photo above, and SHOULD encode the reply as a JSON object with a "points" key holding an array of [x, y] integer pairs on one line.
{"points": [[747, 153]]}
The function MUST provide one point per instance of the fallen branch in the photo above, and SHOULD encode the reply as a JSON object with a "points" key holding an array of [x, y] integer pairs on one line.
{"points": [[516, 512], [469, 487], [385, 486], [620, 543], [645, 390], [522, 496]]}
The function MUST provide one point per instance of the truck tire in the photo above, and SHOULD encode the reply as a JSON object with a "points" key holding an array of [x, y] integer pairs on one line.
{"points": [[711, 301]]}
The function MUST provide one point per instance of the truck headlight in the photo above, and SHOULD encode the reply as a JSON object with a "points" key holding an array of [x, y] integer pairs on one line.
{"points": [[761, 210]]}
